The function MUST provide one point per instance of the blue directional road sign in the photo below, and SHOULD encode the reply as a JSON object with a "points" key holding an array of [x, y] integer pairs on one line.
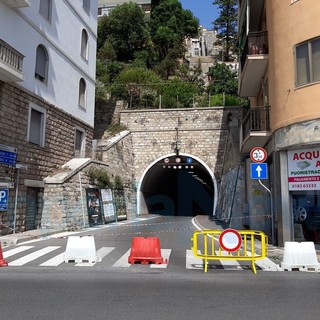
{"points": [[4, 193], [7, 157], [259, 171]]}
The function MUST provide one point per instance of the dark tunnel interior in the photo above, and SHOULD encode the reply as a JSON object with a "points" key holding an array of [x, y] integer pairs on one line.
{"points": [[178, 186]]}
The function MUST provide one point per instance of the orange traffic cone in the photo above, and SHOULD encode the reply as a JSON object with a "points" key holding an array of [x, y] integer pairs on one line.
{"points": [[3, 262]]}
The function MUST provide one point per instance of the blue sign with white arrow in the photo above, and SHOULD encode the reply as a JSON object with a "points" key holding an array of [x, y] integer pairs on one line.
{"points": [[259, 171]]}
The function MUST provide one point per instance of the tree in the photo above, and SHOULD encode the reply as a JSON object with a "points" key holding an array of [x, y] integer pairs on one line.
{"points": [[125, 31], [177, 93], [192, 74], [137, 86], [223, 87], [226, 26], [169, 25], [223, 80]]}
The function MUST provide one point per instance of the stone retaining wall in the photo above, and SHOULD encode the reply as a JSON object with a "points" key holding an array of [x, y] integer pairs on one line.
{"points": [[40, 161]]}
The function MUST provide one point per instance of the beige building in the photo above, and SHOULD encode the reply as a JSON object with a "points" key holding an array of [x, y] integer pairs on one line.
{"points": [[280, 73]]}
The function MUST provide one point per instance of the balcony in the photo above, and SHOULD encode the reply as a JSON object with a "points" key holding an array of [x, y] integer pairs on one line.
{"points": [[254, 61], [255, 129], [10, 63], [16, 3]]}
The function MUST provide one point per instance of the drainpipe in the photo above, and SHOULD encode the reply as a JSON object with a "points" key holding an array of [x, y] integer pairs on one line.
{"points": [[234, 194], [81, 195]]}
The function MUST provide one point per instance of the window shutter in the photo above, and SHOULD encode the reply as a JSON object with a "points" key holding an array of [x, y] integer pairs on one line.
{"points": [[82, 93], [84, 44], [35, 127], [303, 68], [41, 63], [44, 8], [316, 60]]}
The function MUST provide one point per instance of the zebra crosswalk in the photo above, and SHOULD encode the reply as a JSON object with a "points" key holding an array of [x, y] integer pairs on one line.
{"points": [[53, 256]]}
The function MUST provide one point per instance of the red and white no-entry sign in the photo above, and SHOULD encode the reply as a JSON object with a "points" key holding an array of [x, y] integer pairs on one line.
{"points": [[230, 240]]}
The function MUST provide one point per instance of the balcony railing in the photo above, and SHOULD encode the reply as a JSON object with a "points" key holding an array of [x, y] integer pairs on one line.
{"points": [[11, 61], [256, 120], [256, 43]]}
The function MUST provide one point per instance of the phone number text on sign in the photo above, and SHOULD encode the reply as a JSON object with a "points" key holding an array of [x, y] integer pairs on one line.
{"points": [[304, 186]]}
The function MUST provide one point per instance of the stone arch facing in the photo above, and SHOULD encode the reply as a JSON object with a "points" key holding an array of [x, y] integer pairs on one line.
{"points": [[141, 205]]}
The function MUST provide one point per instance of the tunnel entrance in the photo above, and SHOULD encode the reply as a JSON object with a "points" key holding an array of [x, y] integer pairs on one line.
{"points": [[177, 186]]}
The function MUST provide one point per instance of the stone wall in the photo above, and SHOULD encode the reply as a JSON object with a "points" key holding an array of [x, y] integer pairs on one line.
{"points": [[118, 153], [65, 205], [202, 133], [40, 161], [107, 112], [209, 134]]}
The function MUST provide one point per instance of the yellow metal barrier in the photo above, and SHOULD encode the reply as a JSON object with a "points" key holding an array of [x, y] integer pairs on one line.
{"points": [[252, 246]]}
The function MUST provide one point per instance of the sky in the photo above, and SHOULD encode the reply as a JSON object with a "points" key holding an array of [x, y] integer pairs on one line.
{"points": [[204, 10]]}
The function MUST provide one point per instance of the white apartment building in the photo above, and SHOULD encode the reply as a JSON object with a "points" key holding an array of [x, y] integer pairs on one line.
{"points": [[47, 92]]}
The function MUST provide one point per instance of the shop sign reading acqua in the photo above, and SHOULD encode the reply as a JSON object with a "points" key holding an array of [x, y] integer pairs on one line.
{"points": [[304, 169]]}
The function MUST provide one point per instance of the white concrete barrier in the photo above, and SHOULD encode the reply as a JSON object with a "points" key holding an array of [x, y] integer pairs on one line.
{"points": [[80, 249], [300, 256]]}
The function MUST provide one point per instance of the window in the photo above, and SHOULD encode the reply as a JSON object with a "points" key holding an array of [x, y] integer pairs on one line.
{"points": [[86, 5], [82, 93], [36, 125], [79, 143], [41, 63], [308, 62], [84, 44], [45, 8]]}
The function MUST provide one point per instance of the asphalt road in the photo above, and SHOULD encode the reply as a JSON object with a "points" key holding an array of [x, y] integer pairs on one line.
{"points": [[98, 294], [101, 291]]}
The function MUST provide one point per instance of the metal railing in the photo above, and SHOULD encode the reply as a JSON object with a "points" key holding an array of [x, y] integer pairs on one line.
{"points": [[11, 56], [256, 43], [253, 247], [256, 120]]}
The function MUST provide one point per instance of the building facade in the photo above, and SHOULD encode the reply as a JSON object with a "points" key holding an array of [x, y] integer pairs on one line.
{"points": [[105, 6], [280, 73], [202, 52], [47, 90]]}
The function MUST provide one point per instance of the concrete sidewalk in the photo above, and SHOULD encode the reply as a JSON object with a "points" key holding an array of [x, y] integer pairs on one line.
{"points": [[15, 238]]}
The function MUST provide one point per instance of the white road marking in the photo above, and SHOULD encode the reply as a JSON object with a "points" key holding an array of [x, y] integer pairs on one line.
{"points": [[193, 262], [32, 256], [101, 253], [165, 253], [229, 264], [54, 262], [14, 251], [123, 261], [266, 264]]}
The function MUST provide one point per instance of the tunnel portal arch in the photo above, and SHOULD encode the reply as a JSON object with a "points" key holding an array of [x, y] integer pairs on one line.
{"points": [[177, 185]]}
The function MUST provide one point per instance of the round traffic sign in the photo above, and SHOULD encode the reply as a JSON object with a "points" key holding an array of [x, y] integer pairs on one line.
{"points": [[230, 240], [258, 154]]}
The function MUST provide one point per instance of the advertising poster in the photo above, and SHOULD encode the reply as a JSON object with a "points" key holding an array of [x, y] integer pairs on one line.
{"points": [[108, 205], [304, 169], [94, 207]]}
